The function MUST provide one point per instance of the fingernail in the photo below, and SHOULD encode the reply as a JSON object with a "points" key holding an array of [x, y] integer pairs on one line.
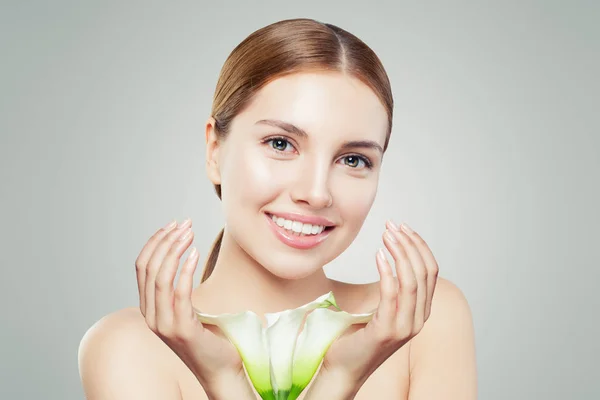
{"points": [[406, 228], [186, 234], [390, 236], [193, 253], [185, 223], [170, 225], [381, 254], [393, 225]]}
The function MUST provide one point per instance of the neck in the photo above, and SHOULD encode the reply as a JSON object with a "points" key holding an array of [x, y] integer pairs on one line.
{"points": [[240, 283]]}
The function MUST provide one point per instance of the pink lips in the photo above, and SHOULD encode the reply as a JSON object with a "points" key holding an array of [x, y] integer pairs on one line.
{"points": [[296, 241]]}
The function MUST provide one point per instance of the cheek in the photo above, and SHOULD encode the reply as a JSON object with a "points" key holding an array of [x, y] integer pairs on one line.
{"points": [[354, 201], [249, 179]]}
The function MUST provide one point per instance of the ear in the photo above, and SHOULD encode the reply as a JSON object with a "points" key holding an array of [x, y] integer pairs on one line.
{"points": [[212, 153]]}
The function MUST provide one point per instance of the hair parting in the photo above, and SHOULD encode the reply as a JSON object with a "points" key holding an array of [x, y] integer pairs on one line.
{"points": [[282, 48]]}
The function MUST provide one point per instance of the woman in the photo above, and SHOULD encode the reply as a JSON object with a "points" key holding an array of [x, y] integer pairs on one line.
{"points": [[301, 118]]}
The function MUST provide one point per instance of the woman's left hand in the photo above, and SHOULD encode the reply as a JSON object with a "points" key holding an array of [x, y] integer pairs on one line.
{"points": [[404, 306]]}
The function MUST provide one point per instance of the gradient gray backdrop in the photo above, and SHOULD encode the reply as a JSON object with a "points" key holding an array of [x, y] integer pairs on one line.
{"points": [[493, 159]]}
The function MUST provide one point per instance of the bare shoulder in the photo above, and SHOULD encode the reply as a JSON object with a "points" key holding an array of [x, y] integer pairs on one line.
{"points": [[450, 313], [448, 299], [442, 359], [442, 354], [119, 357]]}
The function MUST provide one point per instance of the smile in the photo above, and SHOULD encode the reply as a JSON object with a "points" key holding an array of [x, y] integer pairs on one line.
{"points": [[298, 234]]}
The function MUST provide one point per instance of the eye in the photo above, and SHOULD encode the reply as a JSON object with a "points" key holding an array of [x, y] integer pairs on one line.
{"points": [[280, 144], [356, 161]]}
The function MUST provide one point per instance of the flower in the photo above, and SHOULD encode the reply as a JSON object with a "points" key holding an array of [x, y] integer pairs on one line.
{"points": [[282, 358]]}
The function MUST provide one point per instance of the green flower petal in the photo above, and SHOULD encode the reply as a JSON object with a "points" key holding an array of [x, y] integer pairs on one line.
{"points": [[282, 332], [279, 360], [321, 329]]}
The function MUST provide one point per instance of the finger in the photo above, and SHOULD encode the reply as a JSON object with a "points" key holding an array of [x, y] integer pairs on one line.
{"points": [[407, 282], [431, 266], [141, 263], [388, 291], [164, 282], [184, 311], [154, 265], [418, 265]]}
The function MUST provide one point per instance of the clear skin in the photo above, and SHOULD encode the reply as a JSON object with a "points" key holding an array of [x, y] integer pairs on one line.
{"points": [[262, 168], [311, 175]]}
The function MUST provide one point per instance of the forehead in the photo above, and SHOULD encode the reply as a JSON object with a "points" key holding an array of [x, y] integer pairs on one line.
{"points": [[320, 102]]}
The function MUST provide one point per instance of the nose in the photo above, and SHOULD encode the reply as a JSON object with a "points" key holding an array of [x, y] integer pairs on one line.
{"points": [[312, 186]]}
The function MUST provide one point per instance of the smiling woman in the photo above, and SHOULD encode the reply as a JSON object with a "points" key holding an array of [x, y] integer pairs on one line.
{"points": [[301, 119]]}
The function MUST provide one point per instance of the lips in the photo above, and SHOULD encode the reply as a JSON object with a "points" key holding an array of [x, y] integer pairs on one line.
{"points": [[295, 240]]}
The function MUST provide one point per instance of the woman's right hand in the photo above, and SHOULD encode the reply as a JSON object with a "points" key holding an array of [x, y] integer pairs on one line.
{"points": [[169, 313]]}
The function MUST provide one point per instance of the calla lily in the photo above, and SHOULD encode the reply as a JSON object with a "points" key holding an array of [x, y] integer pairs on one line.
{"points": [[282, 358]]}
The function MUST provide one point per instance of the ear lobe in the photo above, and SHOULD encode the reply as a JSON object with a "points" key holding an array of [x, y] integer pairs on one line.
{"points": [[212, 152]]}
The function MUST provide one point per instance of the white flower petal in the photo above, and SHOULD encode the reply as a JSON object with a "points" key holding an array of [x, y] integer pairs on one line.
{"points": [[246, 333], [321, 329], [282, 333]]}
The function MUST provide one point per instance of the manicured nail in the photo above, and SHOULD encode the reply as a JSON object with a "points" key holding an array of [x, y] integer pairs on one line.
{"points": [[185, 223], [393, 225], [390, 236], [381, 254], [194, 252], [406, 228], [170, 225], [186, 234]]}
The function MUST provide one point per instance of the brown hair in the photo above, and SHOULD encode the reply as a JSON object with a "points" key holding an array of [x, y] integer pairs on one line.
{"points": [[282, 48]]}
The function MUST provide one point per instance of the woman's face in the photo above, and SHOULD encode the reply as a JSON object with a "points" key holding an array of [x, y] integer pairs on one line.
{"points": [[299, 170]]}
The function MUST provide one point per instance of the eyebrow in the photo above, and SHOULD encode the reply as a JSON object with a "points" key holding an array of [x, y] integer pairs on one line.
{"points": [[293, 129]]}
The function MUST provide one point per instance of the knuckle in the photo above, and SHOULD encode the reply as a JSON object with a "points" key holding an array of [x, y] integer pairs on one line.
{"points": [[404, 332], [162, 283], [410, 286], [152, 267], [402, 254], [182, 335], [139, 266], [421, 273], [180, 295]]}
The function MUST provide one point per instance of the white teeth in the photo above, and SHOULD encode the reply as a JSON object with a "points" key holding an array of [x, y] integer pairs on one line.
{"points": [[298, 227], [306, 228]]}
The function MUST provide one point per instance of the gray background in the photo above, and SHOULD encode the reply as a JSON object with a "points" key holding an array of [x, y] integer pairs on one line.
{"points": [[493, 159]]}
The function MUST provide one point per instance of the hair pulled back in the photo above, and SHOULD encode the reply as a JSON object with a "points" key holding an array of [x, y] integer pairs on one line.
{"points": [[282, 48]]}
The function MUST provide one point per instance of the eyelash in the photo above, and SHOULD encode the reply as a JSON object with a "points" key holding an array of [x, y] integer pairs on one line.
{"points": [[368, 163]]}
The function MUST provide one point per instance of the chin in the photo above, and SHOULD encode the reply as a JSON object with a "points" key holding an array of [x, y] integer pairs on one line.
{"points": [[287, 268]]}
